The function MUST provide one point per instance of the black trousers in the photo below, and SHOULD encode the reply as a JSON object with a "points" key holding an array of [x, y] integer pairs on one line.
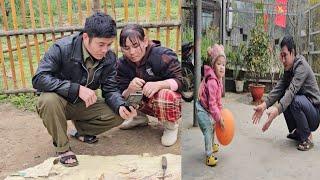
{"points": [[303, 116]]}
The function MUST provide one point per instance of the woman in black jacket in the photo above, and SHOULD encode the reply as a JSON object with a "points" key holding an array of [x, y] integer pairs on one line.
{"points": [[154, 70]]}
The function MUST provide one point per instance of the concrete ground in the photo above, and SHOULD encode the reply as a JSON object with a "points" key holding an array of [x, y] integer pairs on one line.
{"points": [[252, 154]]}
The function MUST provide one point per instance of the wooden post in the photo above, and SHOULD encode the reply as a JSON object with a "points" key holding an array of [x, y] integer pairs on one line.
{"points": [[42, 24], [69, 2], [27, 38], [5, 28], [126, 13], [88, 8], [147, 14], [158, 17], [51, 19], [96, 6], [105, 6], [33, 25], [115, 18], [15, 26], [168, 19], [60, 15], [136, 9], [4, 74], [178, 37], [80, 12]]}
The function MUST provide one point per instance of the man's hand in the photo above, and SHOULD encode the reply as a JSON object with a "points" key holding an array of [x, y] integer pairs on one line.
{"points": [[125, 114], [258, 112], [272, 113], [87, 95], [136, 85], [150, 88]]}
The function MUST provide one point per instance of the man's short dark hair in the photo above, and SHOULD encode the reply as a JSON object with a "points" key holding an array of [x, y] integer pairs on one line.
{"points": [[100, 25], [289, 42]]}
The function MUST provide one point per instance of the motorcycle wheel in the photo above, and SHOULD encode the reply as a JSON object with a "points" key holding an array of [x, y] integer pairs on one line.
{"points": [[188, 82]]}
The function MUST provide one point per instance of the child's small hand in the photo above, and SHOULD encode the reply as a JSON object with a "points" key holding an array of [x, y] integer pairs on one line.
{"points": [[222, 123]]}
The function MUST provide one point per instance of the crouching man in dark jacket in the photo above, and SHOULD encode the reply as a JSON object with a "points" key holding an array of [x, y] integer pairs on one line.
{"points": [[67, 76], [299, 97]]}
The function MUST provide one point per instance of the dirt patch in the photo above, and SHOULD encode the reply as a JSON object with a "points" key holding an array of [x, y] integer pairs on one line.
{"points": [[26, 143]]}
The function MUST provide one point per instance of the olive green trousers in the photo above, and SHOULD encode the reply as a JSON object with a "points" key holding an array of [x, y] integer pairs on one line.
{"points": [[54, 110]]}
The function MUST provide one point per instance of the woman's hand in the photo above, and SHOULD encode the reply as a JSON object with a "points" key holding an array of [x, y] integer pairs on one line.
{"points": [[150, 88], [126, 114], [136, 85]]}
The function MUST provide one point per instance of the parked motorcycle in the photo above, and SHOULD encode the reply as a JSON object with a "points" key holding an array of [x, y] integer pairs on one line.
{"points": [[187, 67]]}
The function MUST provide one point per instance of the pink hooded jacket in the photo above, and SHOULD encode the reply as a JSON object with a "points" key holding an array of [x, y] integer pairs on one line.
{"points": [[210, 93]]}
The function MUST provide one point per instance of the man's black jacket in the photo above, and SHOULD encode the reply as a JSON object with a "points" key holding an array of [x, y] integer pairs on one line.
{"points": [[62, 71]]}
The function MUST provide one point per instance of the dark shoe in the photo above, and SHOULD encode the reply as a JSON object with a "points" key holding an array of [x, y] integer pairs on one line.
{"points": [[305, 145], [64, 158], [86, 138], [294, 136]]}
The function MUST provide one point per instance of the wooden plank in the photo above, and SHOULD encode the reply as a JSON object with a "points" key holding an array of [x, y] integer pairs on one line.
{"points": [[168, 8], [60, 15], [69, 12], [126, 10], [59, 12], [88, 4], [113, 6], [22, 46], [105, 6], [148, 10], [23, 9], [33, 24], [51, 19], [136, 9], [178, 32], [80, 11], [158, 18], [17, 91], [171, 23], [42, 24], [5, 27], [96, 5], [3, 68], [15, 26]]}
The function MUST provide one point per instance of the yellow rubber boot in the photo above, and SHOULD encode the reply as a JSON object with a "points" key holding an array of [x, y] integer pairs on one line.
{"points": [[211, 160], [215, 148]]}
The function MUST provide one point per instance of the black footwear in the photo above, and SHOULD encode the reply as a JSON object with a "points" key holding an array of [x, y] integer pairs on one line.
{"points": [[294, 136], [86, 138]]}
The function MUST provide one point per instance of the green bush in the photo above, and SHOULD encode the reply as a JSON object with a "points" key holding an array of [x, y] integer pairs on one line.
{"points": [[257, 55]]}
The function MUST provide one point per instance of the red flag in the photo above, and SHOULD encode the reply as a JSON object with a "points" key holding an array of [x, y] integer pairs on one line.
{"points": [[281, 13], [265, 21]]}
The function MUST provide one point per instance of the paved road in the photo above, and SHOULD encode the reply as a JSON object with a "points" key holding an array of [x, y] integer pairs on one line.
{"points": [[252, 154]]}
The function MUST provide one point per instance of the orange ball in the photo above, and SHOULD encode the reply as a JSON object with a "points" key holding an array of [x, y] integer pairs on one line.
{"points": [[225, 135]]}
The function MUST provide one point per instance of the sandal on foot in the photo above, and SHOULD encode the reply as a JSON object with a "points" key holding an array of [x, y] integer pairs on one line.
{"points": [[86, 138], [305, 145], [63, 159]]}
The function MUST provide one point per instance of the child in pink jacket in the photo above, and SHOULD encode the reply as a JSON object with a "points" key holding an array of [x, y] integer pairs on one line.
{"points": [[209, 105]]}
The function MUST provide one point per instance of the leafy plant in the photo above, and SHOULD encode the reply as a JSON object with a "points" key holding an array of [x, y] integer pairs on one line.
{"points": [[257, 55], [210, 36], [236, 61]]}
